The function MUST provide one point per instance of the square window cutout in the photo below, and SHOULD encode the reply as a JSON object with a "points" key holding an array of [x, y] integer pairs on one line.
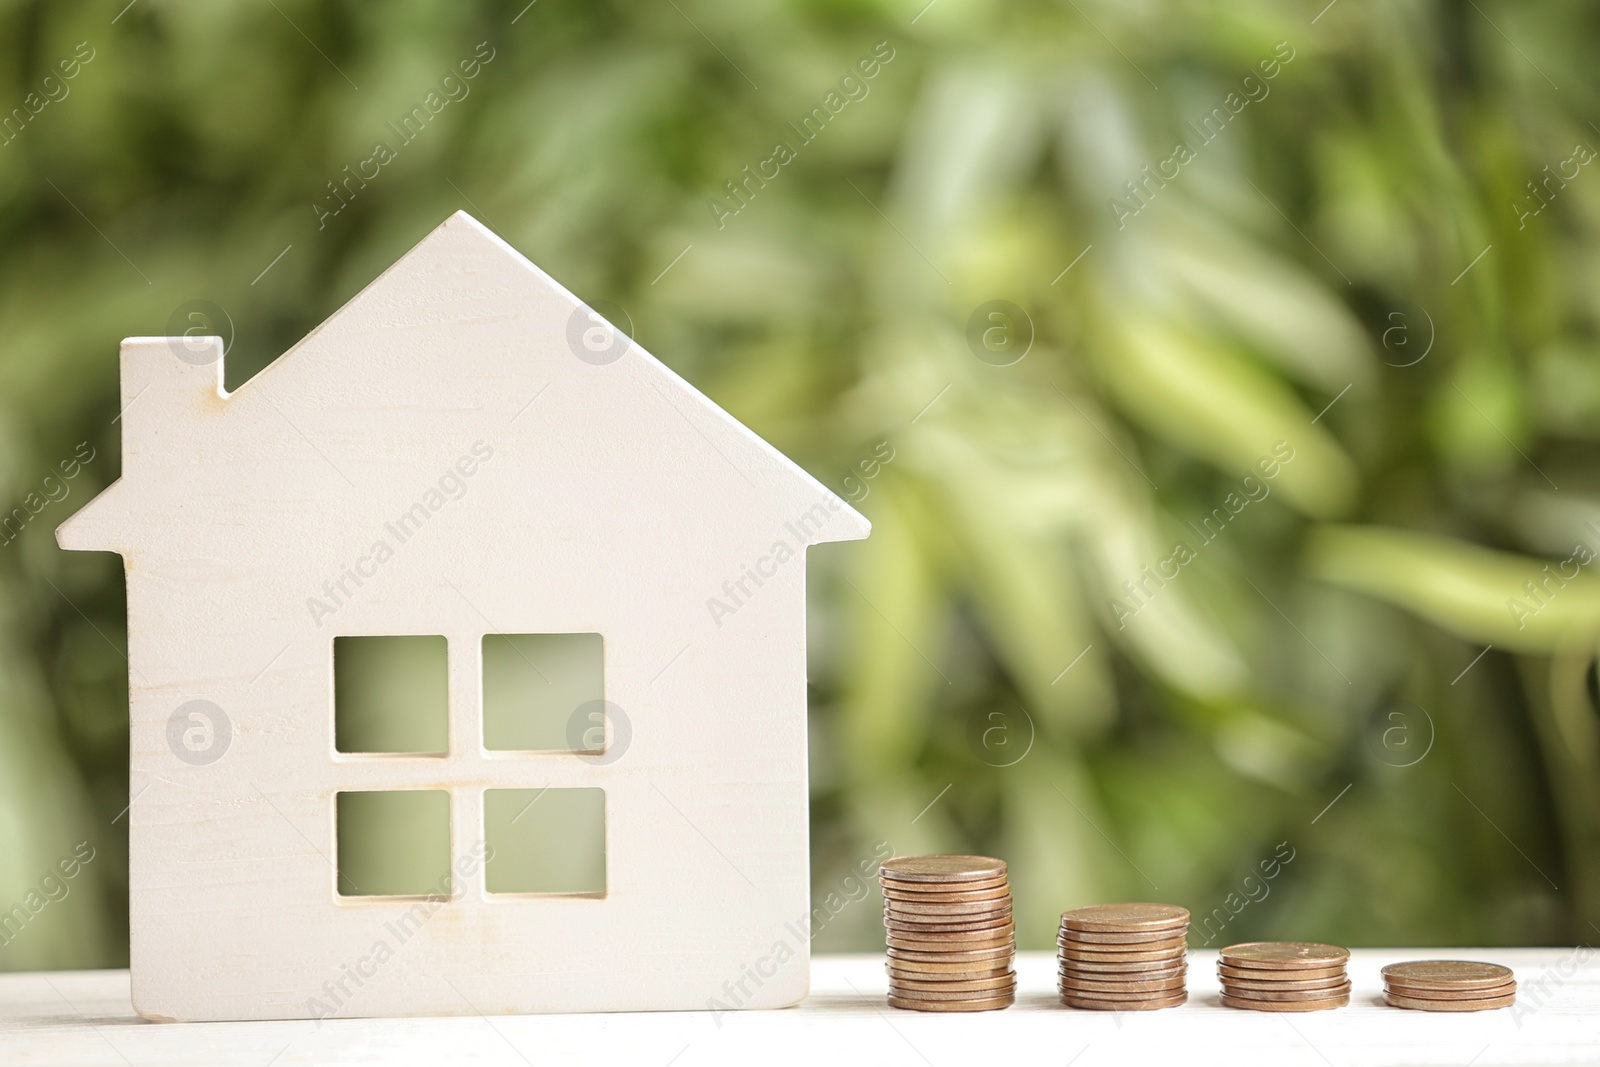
{"points": [[545, 840], [393, 843], [535, 688], [391, 694]]}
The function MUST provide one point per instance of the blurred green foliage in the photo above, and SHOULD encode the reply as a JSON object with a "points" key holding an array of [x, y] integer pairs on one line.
{"points": [[1350, 260]]}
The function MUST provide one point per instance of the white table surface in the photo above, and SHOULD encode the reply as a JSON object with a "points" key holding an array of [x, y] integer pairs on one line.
{"points": [[85, 1018]]}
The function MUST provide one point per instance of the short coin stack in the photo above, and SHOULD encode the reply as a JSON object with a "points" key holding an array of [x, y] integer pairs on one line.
{"points": [[1284, 976], [950, 934], [1449, 985], [1123, 957]]}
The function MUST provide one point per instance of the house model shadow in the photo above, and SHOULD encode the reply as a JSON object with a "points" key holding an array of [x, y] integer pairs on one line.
{"points": [[463, 450]]}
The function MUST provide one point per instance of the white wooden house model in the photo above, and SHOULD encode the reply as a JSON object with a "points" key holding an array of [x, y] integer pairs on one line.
{"points": [[464, 450]]}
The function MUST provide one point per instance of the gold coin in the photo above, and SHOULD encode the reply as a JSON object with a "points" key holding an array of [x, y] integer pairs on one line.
{"points": [[948, 912], [987, 1004], [981, 929], [1506, 990], [934, 984], [1284, 1005], [1122, 947], [959, 912], [1090, 985], [937, 901], [1340, 990], [928, 943], [1117, 937], [1474, 1004], [895, 922], [1102, 967], [1074, 1000], [1143, 973], [959, 977], [970, 968], [928, 989], [965, 935], [1285, 955], [1126, 917], [1176, 951], [999, 892], [937, 889], [962, 975], [1447, 974], [949, 998], [1160, 985], [1140, 971], [946, 923], [934, 918], [951, 943], [902, 992], [995, 917], [1120, 994], [1006, 952], [993, 933], [942, 868], [922, 933], [895, 918], [991, 898], [1266, 974], [988, 958], [1270, 985], [930, 950]]}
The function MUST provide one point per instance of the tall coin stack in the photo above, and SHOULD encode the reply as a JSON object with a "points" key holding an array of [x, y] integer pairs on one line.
{"points": [[950, 934], [1123, 957], [1284, 976], [1449, 985]]}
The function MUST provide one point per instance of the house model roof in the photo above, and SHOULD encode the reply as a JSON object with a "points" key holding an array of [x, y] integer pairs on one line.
{"points": [[462, 332]]}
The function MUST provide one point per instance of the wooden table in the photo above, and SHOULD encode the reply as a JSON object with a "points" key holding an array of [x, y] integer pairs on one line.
{"points": [[84, 1018]]}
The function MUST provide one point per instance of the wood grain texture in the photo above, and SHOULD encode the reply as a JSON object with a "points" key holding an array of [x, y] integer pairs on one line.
{"points": [[519, 485]]}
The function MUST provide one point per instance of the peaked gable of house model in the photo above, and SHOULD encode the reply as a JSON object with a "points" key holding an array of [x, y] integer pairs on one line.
{"points": [[461, 331]]}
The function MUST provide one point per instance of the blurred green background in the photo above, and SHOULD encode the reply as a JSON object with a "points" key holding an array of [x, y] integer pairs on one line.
{"points": [[1380, 206]]}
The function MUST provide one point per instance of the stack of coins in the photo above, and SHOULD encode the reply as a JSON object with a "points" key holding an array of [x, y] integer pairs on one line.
{"points": [[1449, 985], [950, 934], [1123, 957], [1284, 976]]}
